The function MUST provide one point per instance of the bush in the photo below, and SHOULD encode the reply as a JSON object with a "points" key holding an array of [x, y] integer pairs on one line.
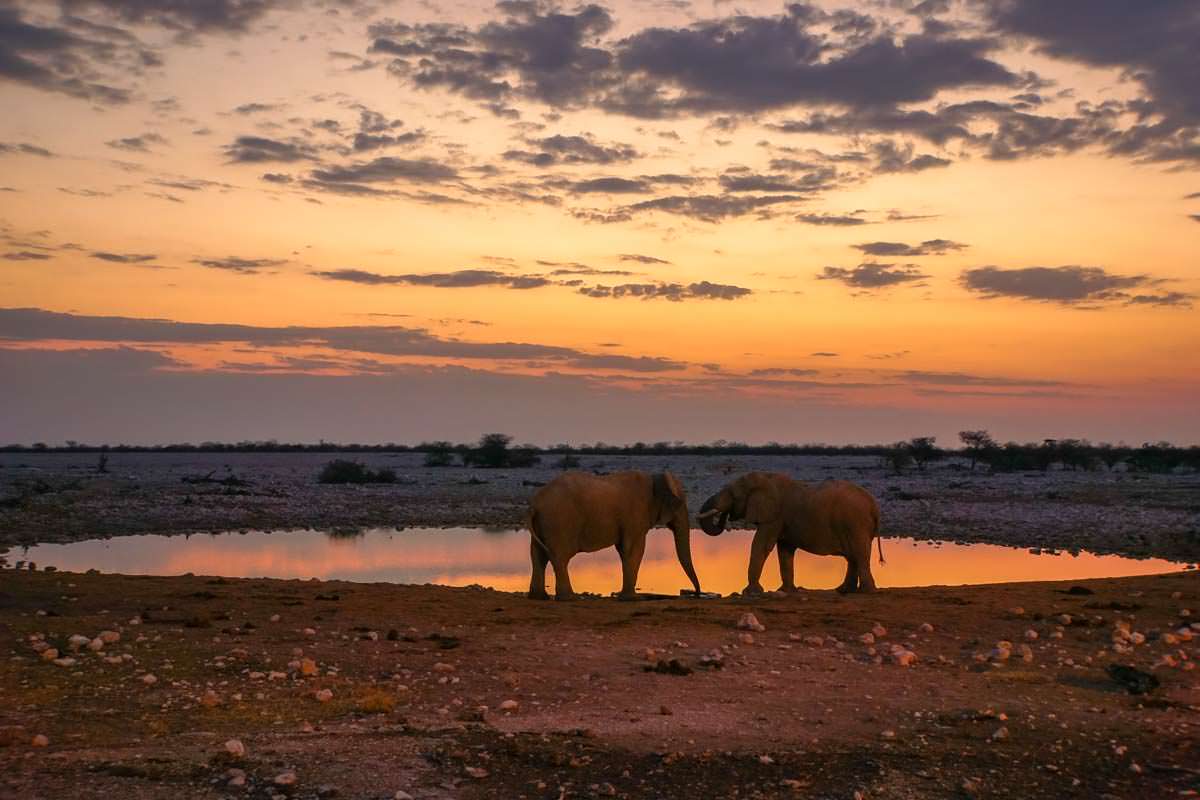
{"points": [[568, 461], [344, 471], [493, 452], [438, 454]]}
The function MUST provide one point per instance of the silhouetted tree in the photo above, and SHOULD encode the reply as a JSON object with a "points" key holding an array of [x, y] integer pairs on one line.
{"points": [[976, 443], [898, 456], [923, 449]]}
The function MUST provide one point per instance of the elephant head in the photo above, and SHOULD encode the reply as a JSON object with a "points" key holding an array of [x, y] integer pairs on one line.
{"points": [[754, 497], [670, 509]]}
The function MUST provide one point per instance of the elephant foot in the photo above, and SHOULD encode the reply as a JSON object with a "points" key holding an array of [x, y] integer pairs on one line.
{"points": [[538, 595], [627, 596], [844, 589], [753, 590], [790, 589], [566, 597]]}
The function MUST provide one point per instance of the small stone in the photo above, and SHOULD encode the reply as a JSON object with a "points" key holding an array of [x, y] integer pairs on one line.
{"points": [[66, 661], [749, 622], [476, 772], [96, 645], [443, 667], [878, 630], [50, 653], [210, 699], [925, 628], [402, 795], [1000, 734], [109, 637], [814, 641], [275, 618], [149, 679], [1064, 619], [867, 638], [888, 734], [41, 740], [76, 641], [1031, 634], [324, 695], [904, 657], [285, 779], [236, 777], [308, 667], [1026, 653], [746, 638], [509, 705], [310, 632], [235, 748]]}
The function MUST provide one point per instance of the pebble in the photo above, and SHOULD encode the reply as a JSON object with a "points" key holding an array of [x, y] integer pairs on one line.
{"points": [[274, 618], [41, 740], [308, 667], [50, 654], [285, 779], [77, 641], [109, 637], [66, 661], [96, 645], [441, 666], [1026, 653], [210, 699], [888, 734], [814, 641], [1000, 734], [402, 795], [509, 705], [867, 638], [746, 638], [925, 628], [1064, 619], [324, 695], [878, 630], [1031, 634], [235, 748], [749, 622], [476, 772], [149, 679]]}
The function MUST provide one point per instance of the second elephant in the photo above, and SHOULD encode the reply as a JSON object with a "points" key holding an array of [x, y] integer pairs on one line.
{"points": [[831, 518]]}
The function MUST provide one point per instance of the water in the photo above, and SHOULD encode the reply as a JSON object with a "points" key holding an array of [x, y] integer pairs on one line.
{"points": [[500, 559]]}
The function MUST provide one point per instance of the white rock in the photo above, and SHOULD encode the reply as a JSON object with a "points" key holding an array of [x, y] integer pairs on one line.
{"points": [[96, 645], [235, 748], [149, 679], [1031, 634], [443, 667], [66, 661], [324, 695], [749, 622], [274, 618], [109, 637], [285, 779], [76, 641], [509, 705], [402, 795]]}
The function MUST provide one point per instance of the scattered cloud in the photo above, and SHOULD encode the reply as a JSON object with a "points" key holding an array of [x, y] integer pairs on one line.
{"points": [[640, 259], [461, 279], [832, 220], [259, 150], [675, 292], [137, 144], [124, 258], [873, 276], [1069, 285], [931, 247], [235, 264]]}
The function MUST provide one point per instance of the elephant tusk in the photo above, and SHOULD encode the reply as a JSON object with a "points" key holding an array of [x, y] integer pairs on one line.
{"points": [[712, 512]]}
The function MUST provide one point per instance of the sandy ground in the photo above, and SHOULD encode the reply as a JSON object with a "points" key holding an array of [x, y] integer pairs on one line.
{"points": [[421, 679], [60, 497]]}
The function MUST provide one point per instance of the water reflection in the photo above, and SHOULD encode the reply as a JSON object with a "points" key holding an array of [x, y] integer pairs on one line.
{"points": [[500, 559]]}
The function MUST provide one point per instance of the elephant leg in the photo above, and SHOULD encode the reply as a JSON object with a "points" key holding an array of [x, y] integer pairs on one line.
{"points": [[850, 583], [562, 581], [787, 567], [866, 582], [631, 562], [760, 548], [537, 582]]}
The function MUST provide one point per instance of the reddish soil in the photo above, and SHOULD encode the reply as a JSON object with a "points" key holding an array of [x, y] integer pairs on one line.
{"points": [[781, 717]]}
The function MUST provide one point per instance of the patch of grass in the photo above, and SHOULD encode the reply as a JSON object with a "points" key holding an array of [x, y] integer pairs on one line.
{"points": [[375, 701], [345, 471]]}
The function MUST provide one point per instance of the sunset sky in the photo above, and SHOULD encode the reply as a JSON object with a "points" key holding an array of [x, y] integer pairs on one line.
{"points": [[645, 220]]}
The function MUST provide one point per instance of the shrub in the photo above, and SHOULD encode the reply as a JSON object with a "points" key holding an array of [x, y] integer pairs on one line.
{"points": [[344, 471], [568, 461], [439, 454]]}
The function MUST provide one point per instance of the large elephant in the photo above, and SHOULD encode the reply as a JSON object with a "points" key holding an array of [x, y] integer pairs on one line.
{"points": [[832, 518], [578, 512]]}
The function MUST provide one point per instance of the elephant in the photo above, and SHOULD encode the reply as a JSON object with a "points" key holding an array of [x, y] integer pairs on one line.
{"points": [[831, 518], [579, 512]]}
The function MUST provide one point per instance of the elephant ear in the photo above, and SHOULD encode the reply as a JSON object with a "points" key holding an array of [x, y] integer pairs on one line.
{"points": [[668, 491], [762, 499]]}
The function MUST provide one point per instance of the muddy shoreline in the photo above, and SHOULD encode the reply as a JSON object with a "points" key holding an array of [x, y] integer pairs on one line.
{"points": [[61, 498], [344, 690]]}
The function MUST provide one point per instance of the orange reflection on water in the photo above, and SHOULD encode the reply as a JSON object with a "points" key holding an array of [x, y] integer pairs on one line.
{"points": [[460, 557]]}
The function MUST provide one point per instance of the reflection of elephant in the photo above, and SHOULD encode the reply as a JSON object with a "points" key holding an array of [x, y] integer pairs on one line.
{"points": [[578, 512], [832, 518]]}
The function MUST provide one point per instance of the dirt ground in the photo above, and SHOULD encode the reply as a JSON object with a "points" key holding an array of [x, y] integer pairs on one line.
{"points": [[60, 497], [468, 693]]}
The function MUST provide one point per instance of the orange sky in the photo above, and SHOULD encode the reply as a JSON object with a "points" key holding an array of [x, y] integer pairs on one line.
{"points": [[1014, 248]]}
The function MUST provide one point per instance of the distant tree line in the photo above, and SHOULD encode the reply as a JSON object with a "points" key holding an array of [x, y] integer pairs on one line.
{"points": [[495, 450]]}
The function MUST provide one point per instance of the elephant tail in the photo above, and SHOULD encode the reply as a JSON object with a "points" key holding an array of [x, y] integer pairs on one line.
{"points": [[878, 538], [532, 523]]}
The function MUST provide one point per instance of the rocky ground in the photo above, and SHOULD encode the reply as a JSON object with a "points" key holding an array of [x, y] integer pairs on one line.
{"points": [[114, 686], [61, 497]]}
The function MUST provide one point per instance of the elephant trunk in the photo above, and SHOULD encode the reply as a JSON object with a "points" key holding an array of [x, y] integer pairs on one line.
{"points": [[712, 519], [683, 549]]}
